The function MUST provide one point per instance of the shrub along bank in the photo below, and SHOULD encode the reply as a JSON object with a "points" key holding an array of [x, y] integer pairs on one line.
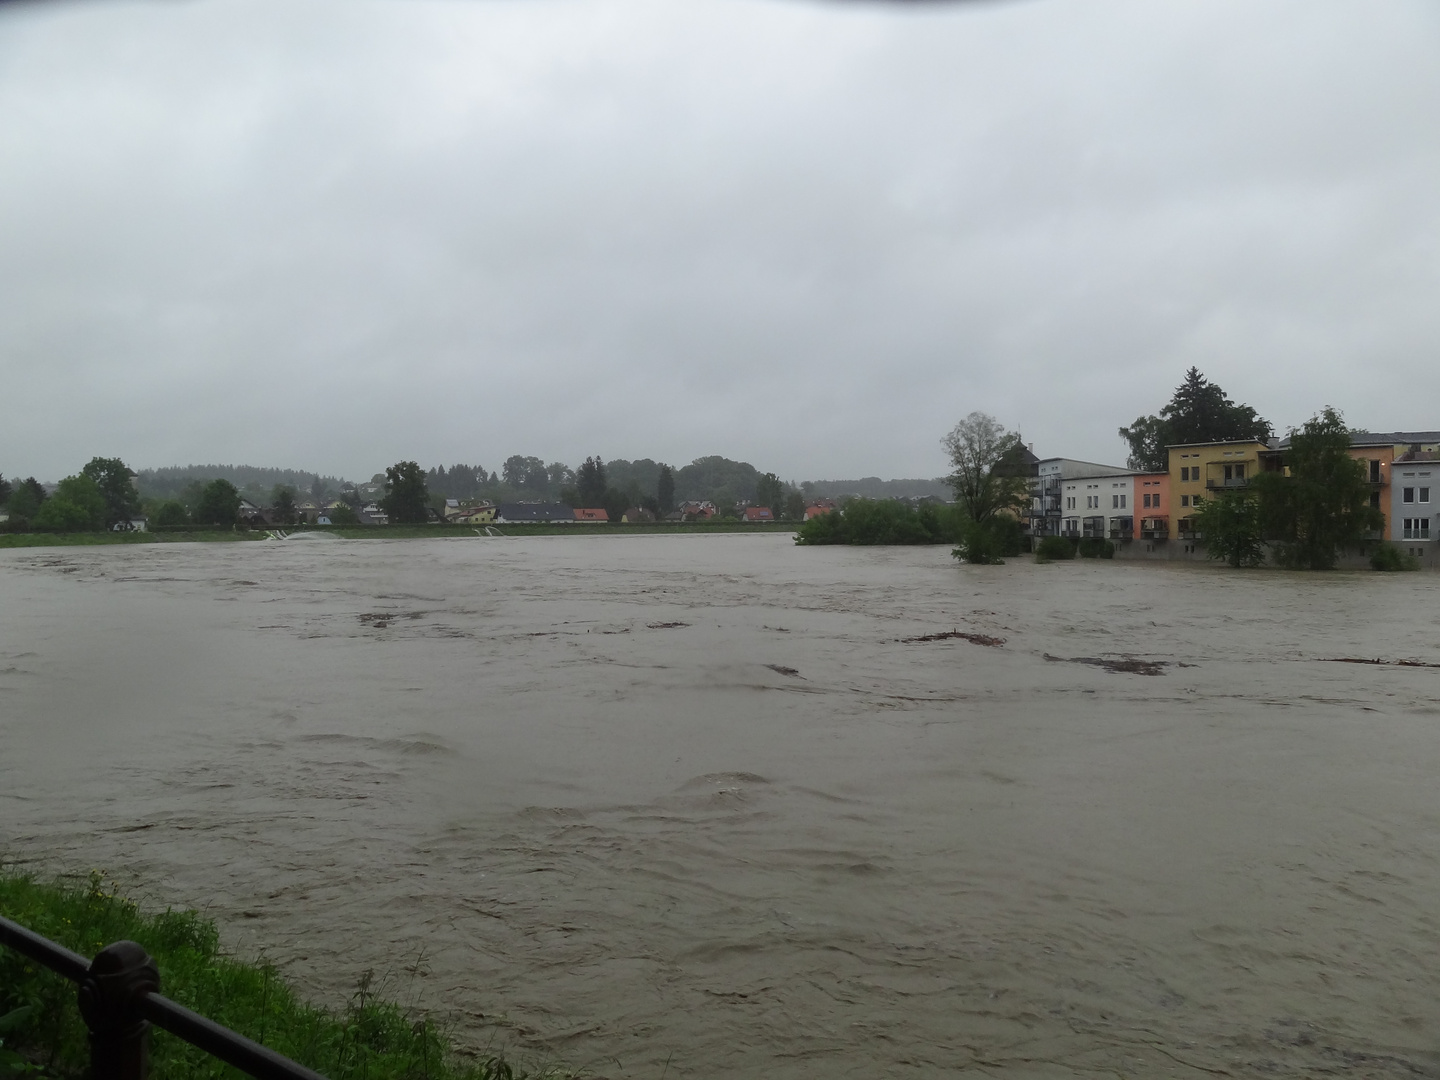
{"points": [[41, 1032]]}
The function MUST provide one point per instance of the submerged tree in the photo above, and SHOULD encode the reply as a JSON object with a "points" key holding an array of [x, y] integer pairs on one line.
{"points": [[976, 445], [405, 493], [1231, 525], [1321, 506], [1198, 411]]}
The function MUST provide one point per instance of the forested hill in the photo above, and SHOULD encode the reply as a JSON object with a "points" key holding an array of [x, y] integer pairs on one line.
{"points": [[872, 487], [171, 481]]}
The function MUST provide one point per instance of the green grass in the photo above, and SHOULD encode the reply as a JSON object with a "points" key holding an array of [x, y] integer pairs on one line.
{"points": [[370, 1039], [383, 532]]}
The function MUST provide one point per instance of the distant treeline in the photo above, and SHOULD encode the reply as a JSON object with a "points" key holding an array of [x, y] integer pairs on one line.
{"points": [[173, 481], [872, 487]]}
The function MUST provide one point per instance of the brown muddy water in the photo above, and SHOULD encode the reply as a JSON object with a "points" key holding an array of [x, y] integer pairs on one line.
{"points": [[693, 806]]}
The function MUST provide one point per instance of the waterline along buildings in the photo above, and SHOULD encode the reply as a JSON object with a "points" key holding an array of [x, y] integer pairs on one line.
{"points": [[1152, 514]]}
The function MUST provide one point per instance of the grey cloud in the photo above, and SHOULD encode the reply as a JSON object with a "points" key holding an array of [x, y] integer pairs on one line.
{"points": [[335, 234]]}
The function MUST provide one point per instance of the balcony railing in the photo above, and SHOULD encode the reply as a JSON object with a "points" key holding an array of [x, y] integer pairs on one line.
{"points": [[120, 999], [1221, 484]]}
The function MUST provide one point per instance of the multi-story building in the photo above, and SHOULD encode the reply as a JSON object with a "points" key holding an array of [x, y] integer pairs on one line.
{"points": [[1414, 499], [1202, 470], [1048, 511]]}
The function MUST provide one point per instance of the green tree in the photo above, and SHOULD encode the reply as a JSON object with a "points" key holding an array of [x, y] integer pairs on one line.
{"points": [[1198, 411], [25, 501], [343, 514], [1322, 507], [976, 445], [170, 514], [5, 490], [77, 506], [405, 493], [794, 506], [770, 493], [116, 482], [218, 504], [1231, 526], [590, 483], [282, 503], [665, 489], [526, 473]]}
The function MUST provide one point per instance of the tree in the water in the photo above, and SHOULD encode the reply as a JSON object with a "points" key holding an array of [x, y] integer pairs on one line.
{"points": [[1322, 507], [405, 493], [1231, 525], [590, 482], [976, 445], [115, 480], [1197, 412]]}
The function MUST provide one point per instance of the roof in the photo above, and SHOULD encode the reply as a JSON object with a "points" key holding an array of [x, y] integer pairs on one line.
{"points": [[1114, 475], [535, 512], [758, 513], [1217, 442], [587, 514], [1383, 438]]}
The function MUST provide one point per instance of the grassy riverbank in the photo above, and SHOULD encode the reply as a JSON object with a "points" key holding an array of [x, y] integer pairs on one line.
{"points": [[370, 1039], [387, 532]]}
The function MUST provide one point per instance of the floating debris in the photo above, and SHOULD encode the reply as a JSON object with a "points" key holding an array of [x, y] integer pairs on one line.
{"points": [[667, 625], [1126, 665], [1379, 662], [783, 670], [974, 639]]}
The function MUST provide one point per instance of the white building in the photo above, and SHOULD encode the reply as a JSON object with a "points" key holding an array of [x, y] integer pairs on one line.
{"points": [[1048, 513], [1414, 496], [1100, 505]]}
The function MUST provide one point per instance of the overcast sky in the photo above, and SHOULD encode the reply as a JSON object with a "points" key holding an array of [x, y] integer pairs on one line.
{"points": [[333, 234]]}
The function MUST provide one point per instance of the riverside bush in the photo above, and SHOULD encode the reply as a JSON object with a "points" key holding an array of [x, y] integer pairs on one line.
{"points": [[1054, 547], [1388, 557], [883, 521], [1096, 547], [370, 1039]]}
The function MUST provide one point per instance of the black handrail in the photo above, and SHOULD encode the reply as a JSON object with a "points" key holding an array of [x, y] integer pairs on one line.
{"points": [[120, 998]]}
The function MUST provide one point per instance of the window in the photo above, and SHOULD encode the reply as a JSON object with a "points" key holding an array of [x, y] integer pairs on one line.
{"points": [[1408, 496], [1417, 528], [1195, 501], [1240, 471], [1184, 500], [1374, 472], [1424, 494], [1122, 502], [1185, 474], [1114, 502], [1146, 498]]}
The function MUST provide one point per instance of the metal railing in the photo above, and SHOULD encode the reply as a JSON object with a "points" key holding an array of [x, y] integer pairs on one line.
{"points": [[120, 998]]}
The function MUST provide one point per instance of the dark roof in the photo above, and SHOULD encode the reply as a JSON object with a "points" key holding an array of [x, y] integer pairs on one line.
{"points": [[535, 512], [1382, 438]]}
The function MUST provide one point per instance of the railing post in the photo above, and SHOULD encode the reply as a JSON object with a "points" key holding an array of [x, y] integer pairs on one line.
{"points": [[110, 997]]}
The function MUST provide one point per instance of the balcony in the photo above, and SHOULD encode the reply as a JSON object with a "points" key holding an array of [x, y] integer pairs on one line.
{"points": [[1155, 528], [1094, 526], [1217, 484], [1122, 528]]}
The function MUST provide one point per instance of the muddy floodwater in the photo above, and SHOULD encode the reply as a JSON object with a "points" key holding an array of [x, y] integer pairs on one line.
{"points": [[699, 806]]}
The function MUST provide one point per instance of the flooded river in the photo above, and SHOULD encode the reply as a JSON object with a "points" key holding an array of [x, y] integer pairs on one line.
{"points": [[694, 807]]}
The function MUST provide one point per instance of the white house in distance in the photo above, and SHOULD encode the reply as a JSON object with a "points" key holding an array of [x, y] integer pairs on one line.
{"points": [[1414, 496]]}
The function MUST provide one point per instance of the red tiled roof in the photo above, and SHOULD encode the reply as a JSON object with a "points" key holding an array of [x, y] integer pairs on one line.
{"points": [[591, 515]]}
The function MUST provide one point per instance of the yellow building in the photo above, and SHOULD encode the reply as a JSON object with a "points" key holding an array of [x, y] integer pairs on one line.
{"points": [[1202, 470]]}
